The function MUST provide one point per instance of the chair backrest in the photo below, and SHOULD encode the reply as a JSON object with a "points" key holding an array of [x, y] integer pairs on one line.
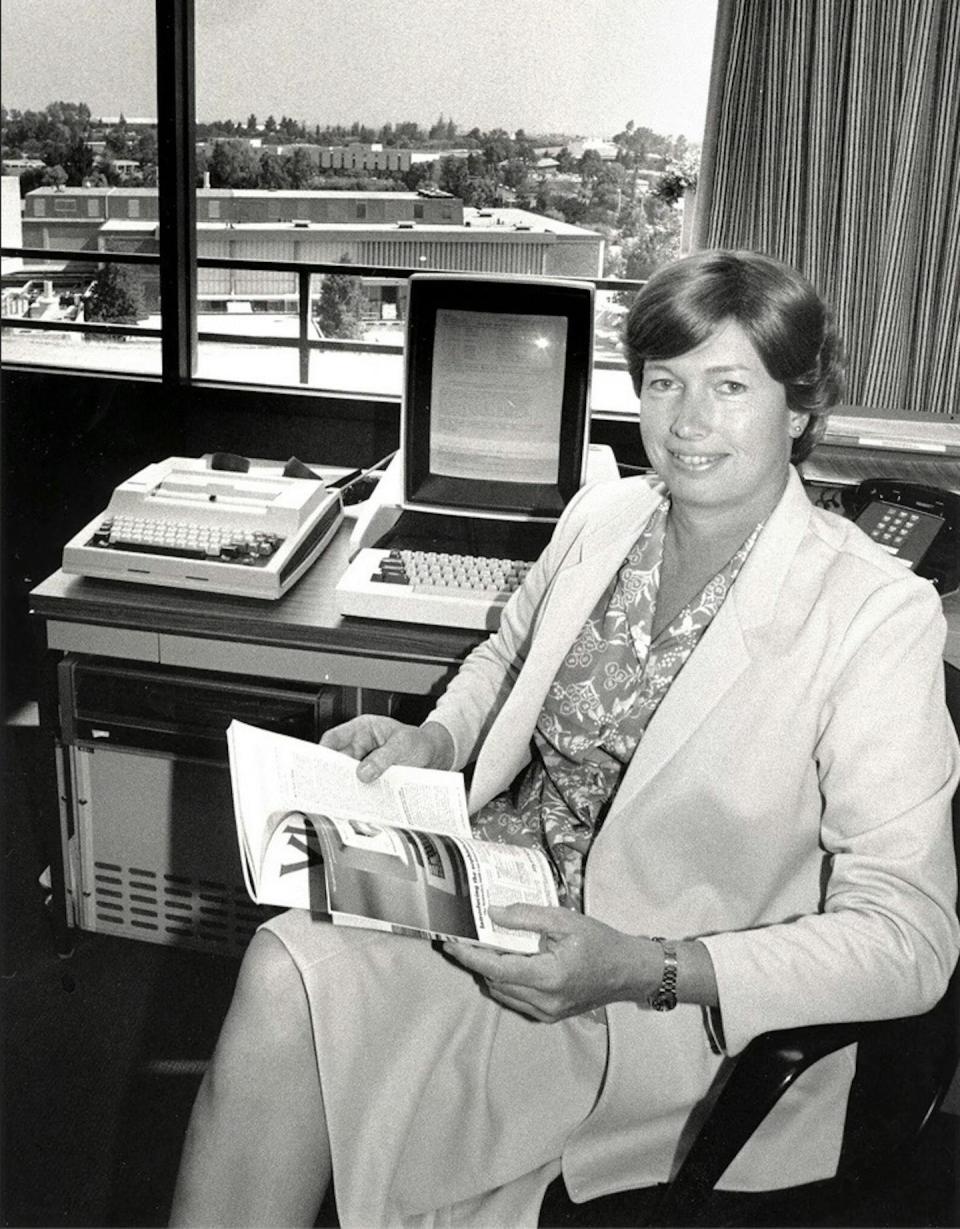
{"points": [[904, 1067]]}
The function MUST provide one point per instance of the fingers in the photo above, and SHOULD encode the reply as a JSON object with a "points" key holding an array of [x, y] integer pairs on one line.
{"points": [[494, 966], [534, 917], [505, 978], [508, 998], [378, 743], [355, 738], [405, 745]]}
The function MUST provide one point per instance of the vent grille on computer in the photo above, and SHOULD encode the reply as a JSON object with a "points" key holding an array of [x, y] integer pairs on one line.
{"points": [[173, 909]]}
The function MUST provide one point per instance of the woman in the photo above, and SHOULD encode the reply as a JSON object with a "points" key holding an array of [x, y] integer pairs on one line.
{"points": [[720, 711]]}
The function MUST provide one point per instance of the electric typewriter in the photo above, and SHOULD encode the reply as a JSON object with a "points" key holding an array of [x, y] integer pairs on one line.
{"points": [[180, 523]]}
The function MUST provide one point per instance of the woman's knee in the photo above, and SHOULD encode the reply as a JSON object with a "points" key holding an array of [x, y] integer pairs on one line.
{"points": [[270, 1013]]}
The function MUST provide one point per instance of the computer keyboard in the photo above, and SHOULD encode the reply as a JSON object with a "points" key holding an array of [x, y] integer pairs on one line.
{"points": [[414, 586]]}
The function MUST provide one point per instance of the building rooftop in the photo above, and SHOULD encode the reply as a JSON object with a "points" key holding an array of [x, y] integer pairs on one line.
{"points": [[266, 193], [506, 219]]}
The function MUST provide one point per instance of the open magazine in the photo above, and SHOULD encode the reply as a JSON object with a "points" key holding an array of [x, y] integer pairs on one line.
{"points": [[396, 854]]}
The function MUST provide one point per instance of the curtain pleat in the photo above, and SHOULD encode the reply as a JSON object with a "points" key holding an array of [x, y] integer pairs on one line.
{"points": [[834, 144]]}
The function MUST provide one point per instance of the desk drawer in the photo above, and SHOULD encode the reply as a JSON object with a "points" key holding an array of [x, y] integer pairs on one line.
{"points": [[125, 642], [182, 712]]}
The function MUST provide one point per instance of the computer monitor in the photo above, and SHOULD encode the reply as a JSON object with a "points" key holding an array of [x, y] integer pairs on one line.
{"points": [[496, 394]]}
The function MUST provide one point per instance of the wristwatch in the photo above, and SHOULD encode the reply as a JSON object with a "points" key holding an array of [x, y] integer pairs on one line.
{"points": [[664, 998]]}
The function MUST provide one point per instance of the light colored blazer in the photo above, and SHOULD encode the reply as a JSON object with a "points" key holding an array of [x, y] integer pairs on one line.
{"points": [[788, 804]]}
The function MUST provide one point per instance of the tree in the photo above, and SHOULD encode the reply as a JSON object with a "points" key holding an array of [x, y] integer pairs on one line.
{"points": [[299, 168], [273, 171], [340, 307], [116, 142], [288, 130], [677, 179], [78, 162], [453, 176], [233, 165], [590, 165], [116, 296], [566, 163], [145, 150], [415, 176], [514, 172]]}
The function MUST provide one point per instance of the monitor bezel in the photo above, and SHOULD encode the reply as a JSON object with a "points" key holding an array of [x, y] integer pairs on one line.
{"points": [[430, 293]]}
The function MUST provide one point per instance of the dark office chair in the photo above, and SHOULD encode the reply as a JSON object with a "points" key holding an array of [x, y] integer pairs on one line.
{"points": [[904, 1068]]}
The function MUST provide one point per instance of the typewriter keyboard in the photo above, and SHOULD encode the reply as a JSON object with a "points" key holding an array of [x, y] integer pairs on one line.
{"points": [[185, 541]]}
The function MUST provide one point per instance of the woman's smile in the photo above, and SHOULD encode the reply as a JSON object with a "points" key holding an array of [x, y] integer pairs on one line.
{"points": [[696, 463]]}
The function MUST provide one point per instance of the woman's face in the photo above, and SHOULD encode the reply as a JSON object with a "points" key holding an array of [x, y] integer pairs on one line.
{"points": [[716, 427]]}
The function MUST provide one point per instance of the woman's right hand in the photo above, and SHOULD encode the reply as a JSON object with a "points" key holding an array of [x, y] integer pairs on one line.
{"points": [[379, 742]]}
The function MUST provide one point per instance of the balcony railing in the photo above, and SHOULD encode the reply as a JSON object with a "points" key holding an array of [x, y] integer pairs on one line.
{"points": [[306, 342]]}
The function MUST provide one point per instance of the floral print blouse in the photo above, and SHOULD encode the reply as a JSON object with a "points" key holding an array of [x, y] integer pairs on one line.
{"points": [[603, 696]]}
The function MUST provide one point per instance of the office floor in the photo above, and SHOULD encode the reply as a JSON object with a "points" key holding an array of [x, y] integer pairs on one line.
{"points": [[102, 1054]]}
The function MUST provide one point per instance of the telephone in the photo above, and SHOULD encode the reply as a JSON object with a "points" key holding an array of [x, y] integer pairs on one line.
{"points": [[920, 525]]}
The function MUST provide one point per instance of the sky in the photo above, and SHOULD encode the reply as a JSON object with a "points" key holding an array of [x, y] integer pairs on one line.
{"points": [[580, 67]]}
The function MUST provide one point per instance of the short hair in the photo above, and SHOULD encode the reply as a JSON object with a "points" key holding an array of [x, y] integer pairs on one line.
{"points": [[789, 324]]}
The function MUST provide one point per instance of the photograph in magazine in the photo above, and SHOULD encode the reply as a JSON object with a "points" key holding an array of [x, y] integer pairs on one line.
{"points": [[403, 878]]}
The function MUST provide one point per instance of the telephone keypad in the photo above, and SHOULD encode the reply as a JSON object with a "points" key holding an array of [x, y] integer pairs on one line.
{"points": [[903, 532]]}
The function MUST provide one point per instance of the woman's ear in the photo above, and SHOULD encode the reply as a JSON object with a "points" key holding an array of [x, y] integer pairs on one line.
{"points": [[798, 423]]}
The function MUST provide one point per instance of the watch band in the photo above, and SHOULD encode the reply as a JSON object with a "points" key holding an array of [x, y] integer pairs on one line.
{"points": [[664, 998]]}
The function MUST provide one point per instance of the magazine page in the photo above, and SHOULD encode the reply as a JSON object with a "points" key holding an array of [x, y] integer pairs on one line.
{"points": [[255, 811], [273, 772], [428, 883], [292, 872], [508, 875]]}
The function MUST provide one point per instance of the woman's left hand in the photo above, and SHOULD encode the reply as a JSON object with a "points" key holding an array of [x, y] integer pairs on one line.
{"points": [[582, 964]]}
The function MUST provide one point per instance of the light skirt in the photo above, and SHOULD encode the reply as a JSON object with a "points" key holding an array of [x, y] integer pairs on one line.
{"points": [[443, 1107]]}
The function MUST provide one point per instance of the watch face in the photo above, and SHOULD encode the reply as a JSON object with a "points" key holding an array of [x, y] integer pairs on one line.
{"points": [[664, 1000]]}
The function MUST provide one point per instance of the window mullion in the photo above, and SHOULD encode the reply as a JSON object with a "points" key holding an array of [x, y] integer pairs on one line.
{"points": [[177, 201]]}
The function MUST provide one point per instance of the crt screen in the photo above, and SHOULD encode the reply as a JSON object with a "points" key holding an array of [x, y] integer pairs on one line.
{"points": [[497, 396]]}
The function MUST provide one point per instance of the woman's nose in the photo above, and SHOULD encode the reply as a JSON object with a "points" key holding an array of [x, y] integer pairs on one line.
{"points": [[691, 420]]}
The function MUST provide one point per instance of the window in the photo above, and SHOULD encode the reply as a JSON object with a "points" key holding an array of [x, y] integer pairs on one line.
{"points": [[88, 99], [495, 168]]}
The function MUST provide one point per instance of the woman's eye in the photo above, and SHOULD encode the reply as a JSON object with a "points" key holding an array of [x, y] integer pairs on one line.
{"points": [[661, 384], [732, 388]]}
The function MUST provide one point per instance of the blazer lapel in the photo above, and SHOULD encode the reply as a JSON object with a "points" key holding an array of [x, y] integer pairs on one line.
{"points": [[720, 658], [570, 597], [723, 653]]}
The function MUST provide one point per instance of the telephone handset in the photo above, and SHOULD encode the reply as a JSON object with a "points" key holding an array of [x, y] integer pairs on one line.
{"points": [[920, 525]]}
